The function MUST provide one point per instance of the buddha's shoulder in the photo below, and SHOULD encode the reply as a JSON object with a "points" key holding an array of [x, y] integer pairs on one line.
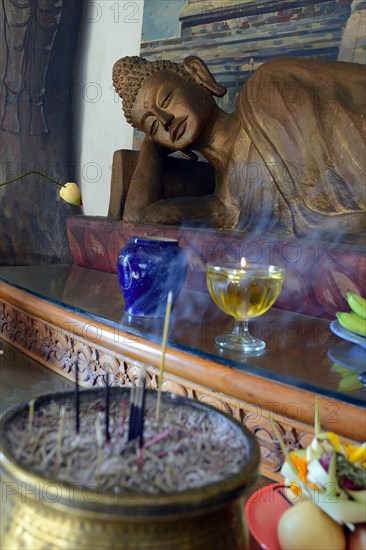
{"points": [[309, 67]]}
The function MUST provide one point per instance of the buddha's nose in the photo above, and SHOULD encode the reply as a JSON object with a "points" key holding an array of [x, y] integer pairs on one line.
{"points": [[164, 118]]}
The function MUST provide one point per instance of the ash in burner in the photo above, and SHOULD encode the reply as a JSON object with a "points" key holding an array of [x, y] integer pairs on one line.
{"points": [[187, 449]]}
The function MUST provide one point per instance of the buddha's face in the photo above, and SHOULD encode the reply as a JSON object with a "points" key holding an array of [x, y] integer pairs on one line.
{"points": [[173, 112]]}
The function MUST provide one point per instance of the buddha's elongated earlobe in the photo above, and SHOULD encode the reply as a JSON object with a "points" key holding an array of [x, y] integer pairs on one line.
{"points": [[198, 69]]}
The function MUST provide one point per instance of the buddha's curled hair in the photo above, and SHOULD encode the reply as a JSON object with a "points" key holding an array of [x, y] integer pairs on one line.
{"points": [[130, 72]]}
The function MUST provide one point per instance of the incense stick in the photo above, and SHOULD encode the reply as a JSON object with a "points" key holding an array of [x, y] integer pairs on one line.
{"points": [[77, 398], [124, 415], [163, 350], [283, 494], [31, 414], [142, 412], [131, 427], [107, 434], [99, 438], [60, 434], [137, 408]]}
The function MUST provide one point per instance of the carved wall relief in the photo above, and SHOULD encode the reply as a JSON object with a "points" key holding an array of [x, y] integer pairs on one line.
{"points": [[30, 30], [38, 46]]}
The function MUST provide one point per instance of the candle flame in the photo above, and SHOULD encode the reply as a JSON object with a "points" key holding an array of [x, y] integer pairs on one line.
{"points": [[243, 262]]}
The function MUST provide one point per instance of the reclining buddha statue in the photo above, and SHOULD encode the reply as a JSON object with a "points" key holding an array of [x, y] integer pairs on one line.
{"points": [[290, 160]]}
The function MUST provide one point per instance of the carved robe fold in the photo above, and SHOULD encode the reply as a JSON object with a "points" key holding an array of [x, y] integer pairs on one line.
{"points": [[306, 120]]}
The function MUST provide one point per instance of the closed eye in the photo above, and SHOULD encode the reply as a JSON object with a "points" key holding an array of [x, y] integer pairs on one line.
{"points": [[166, 100], [154, 127]]}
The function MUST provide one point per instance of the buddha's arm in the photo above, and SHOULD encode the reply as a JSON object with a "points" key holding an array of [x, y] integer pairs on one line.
{"points": [[145, 186], [145, 204]]}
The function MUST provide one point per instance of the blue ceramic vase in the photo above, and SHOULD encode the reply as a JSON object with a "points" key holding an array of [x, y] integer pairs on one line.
{"points": [[148, 268]]}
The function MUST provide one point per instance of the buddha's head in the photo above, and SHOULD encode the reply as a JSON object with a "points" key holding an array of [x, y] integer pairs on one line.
{"points": [[170, 102]]}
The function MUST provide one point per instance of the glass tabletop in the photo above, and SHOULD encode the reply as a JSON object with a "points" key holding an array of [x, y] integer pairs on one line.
{"points": [[301, 350]]}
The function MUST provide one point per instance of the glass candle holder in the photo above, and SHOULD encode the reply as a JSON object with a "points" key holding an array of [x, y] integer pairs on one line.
{"points": [[244, 293]]}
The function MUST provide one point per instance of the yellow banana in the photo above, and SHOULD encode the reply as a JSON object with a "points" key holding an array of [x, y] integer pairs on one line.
{"points": [[357, 303], [352, 322], [350, 382], [338, 369], [349, 379]]}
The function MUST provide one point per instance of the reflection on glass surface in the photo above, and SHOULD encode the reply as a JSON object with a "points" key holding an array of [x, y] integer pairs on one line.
{"points": [[297, 345]]}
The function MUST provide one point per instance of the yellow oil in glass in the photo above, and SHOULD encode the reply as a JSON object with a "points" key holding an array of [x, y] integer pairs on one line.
{"points": [[243, 294]]}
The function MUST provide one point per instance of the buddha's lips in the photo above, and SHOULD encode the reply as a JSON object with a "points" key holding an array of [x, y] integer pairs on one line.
{"points": [[178, 128]]}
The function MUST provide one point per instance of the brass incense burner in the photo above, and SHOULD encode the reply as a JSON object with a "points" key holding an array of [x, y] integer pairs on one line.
{"points": [[41, 512]]}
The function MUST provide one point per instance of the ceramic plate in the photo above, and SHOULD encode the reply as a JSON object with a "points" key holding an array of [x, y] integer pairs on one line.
{"points": [[263, 511], [349, 356], [347, 334]]}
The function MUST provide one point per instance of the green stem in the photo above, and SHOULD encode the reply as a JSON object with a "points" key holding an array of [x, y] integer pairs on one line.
{"points": [[317, 425], [32, 172]]}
